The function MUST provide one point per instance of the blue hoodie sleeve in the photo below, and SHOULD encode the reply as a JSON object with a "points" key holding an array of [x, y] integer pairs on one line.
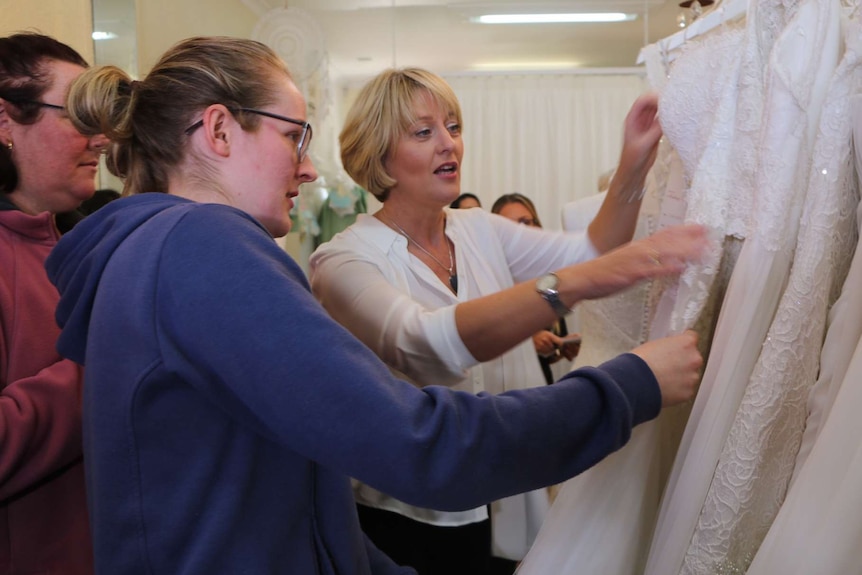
{"points": [[237, 321]]}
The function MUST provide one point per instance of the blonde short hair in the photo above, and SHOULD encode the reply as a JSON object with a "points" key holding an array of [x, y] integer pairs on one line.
{"points": [[382, 113], [146, 121]]}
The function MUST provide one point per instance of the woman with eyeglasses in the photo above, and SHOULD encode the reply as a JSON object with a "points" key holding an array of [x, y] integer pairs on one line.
{"points": [[554, 343], [451, 297], [224, 410], [47, 169]]}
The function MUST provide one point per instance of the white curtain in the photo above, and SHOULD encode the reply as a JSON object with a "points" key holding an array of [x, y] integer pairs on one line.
{"points": [[547, 136]]}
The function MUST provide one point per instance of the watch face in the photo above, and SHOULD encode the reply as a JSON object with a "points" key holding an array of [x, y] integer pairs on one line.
{"points": [[547, 282]]}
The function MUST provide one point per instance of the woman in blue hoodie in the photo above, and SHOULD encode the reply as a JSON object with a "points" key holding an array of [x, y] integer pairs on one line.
{"points": [[224, 411]]}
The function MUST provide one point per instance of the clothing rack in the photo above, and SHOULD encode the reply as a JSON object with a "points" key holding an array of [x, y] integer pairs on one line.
{"points": [[726, 11]]}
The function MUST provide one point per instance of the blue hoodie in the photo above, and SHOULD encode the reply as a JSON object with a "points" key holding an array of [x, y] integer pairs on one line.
{"points": [[224, 410]]}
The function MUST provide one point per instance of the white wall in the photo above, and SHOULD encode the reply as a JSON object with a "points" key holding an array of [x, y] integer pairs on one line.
{"points": [[69, 21], [162, 23]]}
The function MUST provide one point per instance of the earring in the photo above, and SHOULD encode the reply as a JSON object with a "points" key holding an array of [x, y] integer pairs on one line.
{"points": [[9, 146]]}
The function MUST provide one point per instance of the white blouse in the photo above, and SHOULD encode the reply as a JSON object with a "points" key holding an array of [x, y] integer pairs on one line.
{"points": [[368, 282]]}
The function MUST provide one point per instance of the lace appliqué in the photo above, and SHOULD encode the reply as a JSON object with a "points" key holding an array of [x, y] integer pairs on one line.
{"points": [[619, 323], [758, 458], [698, 108]]}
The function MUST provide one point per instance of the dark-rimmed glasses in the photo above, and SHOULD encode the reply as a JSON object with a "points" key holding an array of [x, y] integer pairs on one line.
{"points": [[36, 103], [304, 138]]}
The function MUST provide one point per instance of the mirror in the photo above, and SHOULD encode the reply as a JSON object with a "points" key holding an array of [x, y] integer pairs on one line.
{"points": [[115, 43]]}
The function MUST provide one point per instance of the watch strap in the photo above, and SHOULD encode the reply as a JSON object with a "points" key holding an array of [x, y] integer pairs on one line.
{"points": [[552, 295]]}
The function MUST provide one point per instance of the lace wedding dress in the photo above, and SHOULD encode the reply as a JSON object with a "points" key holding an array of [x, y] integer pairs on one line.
{"points": [[741, 106], [602, 520], [598, 518], [818, 527], [738, 449]]}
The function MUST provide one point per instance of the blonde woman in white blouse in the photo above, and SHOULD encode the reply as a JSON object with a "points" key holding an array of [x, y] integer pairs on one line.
{"points": [[452, 297]]}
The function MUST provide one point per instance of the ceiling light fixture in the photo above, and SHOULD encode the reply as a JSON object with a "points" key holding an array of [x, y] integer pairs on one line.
{"points": [[103, 35], [576, 17], [546, 65]]}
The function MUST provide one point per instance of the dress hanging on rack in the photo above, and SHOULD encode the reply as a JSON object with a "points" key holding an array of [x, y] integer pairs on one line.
{"points": [[818, 527], [725, 486], [603, 520], [748, 147], [600, 520]]}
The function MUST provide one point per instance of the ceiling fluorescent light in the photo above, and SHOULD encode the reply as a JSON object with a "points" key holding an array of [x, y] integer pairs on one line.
{"points": [[554, 18], [103, 35], [495, 66]]}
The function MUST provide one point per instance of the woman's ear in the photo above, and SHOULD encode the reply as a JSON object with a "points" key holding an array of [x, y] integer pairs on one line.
{"points": [[218, 125]]}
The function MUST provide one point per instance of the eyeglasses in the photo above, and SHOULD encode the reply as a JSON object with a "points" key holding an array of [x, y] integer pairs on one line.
{"points": [[304, 137], [35, 103]]}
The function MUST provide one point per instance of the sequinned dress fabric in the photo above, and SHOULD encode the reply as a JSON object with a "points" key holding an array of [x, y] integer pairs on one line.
{"points": [[737, 454], [818, 527]]}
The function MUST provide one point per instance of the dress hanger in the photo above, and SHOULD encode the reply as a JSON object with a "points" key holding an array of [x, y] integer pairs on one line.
{"points": [[723, 12]]}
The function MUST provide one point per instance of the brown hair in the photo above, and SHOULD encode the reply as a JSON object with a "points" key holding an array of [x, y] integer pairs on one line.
{"points": [[381, 114], [517, 198], [24, 77], [146, 120], [456, 203]]}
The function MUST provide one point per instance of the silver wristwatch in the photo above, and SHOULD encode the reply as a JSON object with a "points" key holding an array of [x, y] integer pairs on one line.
{"points": [[547, 287]]}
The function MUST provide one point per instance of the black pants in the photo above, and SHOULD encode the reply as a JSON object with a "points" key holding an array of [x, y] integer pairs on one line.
{"points": [[430, 549]]}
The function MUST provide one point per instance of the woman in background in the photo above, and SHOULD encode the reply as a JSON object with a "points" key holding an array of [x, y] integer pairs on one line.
{"points": [[466, 200], [47, 168], [433, 291], [550, 344]]}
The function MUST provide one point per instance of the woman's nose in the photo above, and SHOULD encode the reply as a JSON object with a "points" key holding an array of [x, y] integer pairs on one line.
{"points": [[306, 170], [447, 140]]}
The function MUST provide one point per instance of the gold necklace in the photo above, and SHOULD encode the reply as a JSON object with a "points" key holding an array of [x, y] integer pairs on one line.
{"points": [[450, 269]]}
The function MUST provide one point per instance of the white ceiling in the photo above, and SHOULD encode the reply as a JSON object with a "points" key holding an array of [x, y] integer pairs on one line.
{"points": [[364, 36]]}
